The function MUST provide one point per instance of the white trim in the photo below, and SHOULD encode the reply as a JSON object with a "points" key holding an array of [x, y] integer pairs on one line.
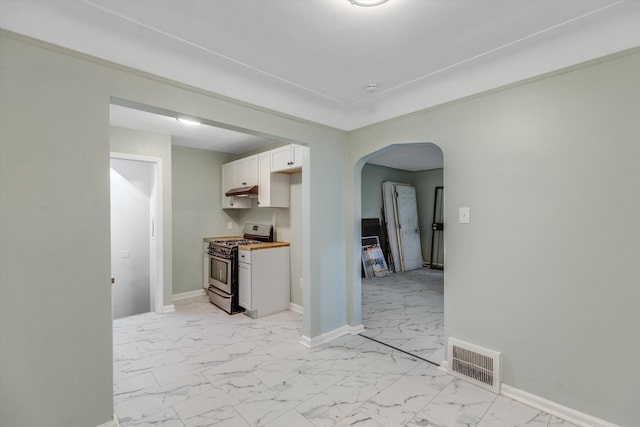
{"points": [[568, 414], [189, 294], [168, 309], [331, 335], [158, 292], [355, 330], [112, 423], [553, 408], [295, 307]]}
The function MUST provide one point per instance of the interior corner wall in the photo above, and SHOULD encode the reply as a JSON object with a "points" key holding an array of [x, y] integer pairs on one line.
{"points": [[129, 141], [197, 211], [547, 270], [56, 354]]}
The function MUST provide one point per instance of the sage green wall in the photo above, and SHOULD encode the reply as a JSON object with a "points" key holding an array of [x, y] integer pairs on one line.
{"points": [[129, 141], [55, 291], [56, 319], [372, 178], [197, 212], [547, 270]]}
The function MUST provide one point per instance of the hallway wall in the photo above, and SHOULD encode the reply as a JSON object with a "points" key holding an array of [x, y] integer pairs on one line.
{"points": [[546, 272]]}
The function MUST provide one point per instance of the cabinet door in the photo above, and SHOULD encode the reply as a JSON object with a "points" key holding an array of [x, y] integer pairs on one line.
{"points": [[244, 285], [281, 158], [228, 180], [247, 172], [296, 156]]}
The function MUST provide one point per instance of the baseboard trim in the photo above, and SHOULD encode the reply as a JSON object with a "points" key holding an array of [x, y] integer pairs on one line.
{"points": [[112, 423], [295, 307], [553, 408], [548, 406], [189, 294], [331, 335], [168, 308]]}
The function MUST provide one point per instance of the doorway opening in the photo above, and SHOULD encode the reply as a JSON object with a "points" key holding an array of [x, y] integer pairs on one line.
{"points": [[136, 234], [405, 309]]}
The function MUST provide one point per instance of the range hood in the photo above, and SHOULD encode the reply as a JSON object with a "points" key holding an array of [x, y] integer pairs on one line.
{"points": [[243, 192]]}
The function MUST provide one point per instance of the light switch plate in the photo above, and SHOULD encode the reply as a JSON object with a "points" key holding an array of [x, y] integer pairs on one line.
{"points": [[465, 215], [229, 225]]}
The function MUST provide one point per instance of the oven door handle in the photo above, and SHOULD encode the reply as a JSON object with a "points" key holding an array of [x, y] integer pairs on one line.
{"points": [[218, 293]]}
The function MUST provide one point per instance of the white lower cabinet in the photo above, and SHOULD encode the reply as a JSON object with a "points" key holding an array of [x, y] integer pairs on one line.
{"points": [[244, 285], [264, 280]]}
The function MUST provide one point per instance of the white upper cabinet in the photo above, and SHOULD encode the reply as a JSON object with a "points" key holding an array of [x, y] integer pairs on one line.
{"points": [[262, 170], [246, 172], [287, 158], [273, 188], [240, 173]]}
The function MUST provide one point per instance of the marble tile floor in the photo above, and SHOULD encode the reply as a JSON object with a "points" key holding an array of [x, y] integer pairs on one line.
{"points": [[406, 311], [201, 367]]}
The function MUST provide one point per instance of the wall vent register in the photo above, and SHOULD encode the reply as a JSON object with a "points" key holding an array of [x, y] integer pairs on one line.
{"points": [[474, 364]]}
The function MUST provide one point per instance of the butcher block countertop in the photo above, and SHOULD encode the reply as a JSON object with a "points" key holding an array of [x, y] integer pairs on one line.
{"points": [[263, 246]]}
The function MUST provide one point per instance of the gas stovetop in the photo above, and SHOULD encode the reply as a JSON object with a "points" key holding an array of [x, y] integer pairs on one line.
{"points": [[254, 234], [226, 248]]}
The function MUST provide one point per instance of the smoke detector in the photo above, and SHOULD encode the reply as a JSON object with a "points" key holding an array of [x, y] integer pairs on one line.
{"points": [[371, 87]]}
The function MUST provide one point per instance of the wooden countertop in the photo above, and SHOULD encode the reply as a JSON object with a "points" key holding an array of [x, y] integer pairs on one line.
{"points": [[263, 246]]}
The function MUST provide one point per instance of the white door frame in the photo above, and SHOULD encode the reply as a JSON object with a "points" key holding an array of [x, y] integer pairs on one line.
{"points": [[155, 253]]}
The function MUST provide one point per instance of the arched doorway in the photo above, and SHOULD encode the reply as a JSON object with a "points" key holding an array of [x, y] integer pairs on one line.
{"points": [[404, 309]]}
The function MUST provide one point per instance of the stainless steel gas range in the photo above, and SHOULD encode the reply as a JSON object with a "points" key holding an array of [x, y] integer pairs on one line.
{"points": [[223, 265]]}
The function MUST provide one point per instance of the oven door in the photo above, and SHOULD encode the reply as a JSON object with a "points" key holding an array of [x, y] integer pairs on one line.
{"points": [[220, 273]]}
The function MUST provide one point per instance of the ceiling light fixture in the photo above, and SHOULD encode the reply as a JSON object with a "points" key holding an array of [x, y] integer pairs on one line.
{"points": [[188, 122], [367, 3]]}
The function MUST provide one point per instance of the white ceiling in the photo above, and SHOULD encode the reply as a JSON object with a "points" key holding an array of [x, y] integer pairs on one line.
{"points": [[411, 157], [205, 136], [313, 58]]}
